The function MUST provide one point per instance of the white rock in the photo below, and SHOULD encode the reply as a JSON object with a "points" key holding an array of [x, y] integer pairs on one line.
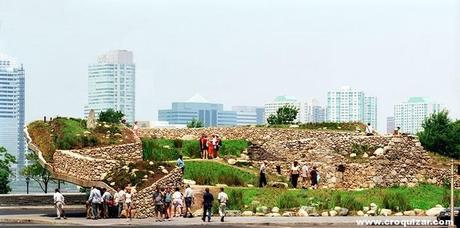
{"points": [[434, 211], [247, 213], [259, 214], [398, 214], [112, 183], [275, 210], [365, 209], [325, 214], [302, 213], [333, 213], [151, 163], [231, 161], [352, 155], [145, 176], [190, 182], [337, 209], [373, 206], [365, 155], [360, 213], [385, 212], [419, 211], [409, 213], [164, 171], [379, 152], [288, 214]]}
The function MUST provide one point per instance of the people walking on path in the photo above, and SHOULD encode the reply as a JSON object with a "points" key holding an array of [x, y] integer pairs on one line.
{"points": [[168, 201], [177, 202], [59, 203], [208, 198], [204, 146], [129, 203], [262, 173], [181, 164], [106, 202], [189, 200], [158, 200], [95, 199], [222, 198], [314, 178], [294, 174], [304, 175]]}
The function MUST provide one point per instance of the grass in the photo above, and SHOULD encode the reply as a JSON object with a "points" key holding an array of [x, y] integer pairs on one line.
{"points": [[170, 149], [424, 197], [211, 173]]}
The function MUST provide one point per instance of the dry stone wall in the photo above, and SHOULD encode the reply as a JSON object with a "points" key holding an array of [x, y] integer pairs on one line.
{"points": [[124, 152]]}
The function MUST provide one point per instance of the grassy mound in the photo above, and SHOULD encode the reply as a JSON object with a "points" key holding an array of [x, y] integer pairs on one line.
{"points": [[71, 133], [170, 149], [211, 173]]}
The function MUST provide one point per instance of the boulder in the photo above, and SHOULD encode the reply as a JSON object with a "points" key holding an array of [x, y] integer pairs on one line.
{"points": [[190, 182], [324, 214], [360, 213], [308, 209], [371, 212], [247, 213], [352, 155], [332, 213], [419, 212], [409, 213], [262, 209], [373, 206], [343, 211], [385, 212], [288, 214], [398, 214], [365, 155], [231, 161], [276, 184], [302, 213], [379, 152], [434, 211], [337, 209], [275, 210], [259, 214], [365, 209], [232, 213]]}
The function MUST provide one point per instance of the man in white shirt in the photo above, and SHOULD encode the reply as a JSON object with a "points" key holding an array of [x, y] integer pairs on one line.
{"points": [[189, 198], [95, 199], [369, 130], [59, 204], [222, 198], [121, 200], [304, 174], [262, 177]]}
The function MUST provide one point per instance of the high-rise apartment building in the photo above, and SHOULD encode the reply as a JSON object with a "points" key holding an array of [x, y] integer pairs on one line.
{"points": [[348, 105], [111, 84], [249, 115], [391, 124], [12, 109], [410, 115], [309, 112], [313, 112], [280, 101]]}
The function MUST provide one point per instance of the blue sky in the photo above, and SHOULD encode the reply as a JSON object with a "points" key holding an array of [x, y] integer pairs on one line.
{"points": [[237, 52]]}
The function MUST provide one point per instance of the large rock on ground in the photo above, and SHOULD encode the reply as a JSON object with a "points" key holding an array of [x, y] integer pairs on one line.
{"points": [[434, 211]]}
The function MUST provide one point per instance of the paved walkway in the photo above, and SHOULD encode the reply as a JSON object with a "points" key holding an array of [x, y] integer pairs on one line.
{"points": [[349, 221]]}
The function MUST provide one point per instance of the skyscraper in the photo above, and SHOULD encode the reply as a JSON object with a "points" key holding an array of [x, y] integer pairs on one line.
{"points": [[391, 124], [410, 115], [280, 101], [12, 108], [347, 104], [111, 84], [314, 113]]}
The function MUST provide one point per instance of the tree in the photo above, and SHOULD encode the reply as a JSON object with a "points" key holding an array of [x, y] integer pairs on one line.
{"points": [[6, 160], [441, 135], [37, 172], [111, 116], [284, 115], [194, 123]]}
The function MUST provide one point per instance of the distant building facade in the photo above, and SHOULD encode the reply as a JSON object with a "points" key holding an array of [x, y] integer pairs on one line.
{"points": [[410, 115], [309, 111], [280, 101], [313, 112], [12, 109], [391, 124], [111, 84], [249, 115], [350, 105]]}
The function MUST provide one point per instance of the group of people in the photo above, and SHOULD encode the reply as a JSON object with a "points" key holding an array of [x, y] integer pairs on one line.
{"points": [[309, 176], [102, 204], [210, 146]]}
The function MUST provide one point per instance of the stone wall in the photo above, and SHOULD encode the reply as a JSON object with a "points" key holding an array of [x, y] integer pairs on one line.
{"points": [[10, 200], [143, 200], [124, 152]]}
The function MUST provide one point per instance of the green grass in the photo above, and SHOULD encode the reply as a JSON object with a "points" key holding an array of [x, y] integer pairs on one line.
{"points": [[211, 173], [424, 197], [170, 149]]}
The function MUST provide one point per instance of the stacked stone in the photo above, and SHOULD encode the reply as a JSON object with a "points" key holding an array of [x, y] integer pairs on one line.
{"points": [[143, 200], [124, 152]]}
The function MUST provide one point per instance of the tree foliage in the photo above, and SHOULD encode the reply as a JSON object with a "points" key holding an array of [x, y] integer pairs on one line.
{"points": [[284, 115], [37, 172], [6, 160], [441, 135], [195, 123], [111, 116]]}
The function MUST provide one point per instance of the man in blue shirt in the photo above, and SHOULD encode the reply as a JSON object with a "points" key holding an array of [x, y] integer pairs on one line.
{"points": [[181, 163]]}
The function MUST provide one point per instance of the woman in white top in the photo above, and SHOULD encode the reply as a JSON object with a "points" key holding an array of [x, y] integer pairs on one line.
{"points": [[129, 202], [294, 174], [177, 202]]}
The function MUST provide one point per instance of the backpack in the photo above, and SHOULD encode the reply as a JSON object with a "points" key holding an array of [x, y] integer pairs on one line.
{"points": [[317, 177], [158, 198], [168, 198]]}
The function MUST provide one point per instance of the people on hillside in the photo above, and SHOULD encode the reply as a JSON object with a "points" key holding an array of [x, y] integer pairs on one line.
{"points": [[180, 163], [217, 142], [129, 202], [304, 175], [106, 203], [59, 203], [204, 146], [121, 200], [369, 130], [177, 202], [95, 199], [158, 200], [222, 198], [208, 198], [211, 149], [314, 176], [294, 174], [168, 202], [189, 200], [397, 131], [262, 174]]}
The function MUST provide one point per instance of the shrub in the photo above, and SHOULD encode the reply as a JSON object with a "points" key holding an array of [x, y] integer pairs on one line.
{"points": [[396, 201], [154, 149], [351, 203], [177, 143], [231, 179], [288, 200], [211, 173], [191, 148], [284, 115], [111, 116]]}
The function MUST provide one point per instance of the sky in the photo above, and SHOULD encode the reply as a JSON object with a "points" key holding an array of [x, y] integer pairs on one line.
{"points": [[237, 52]]}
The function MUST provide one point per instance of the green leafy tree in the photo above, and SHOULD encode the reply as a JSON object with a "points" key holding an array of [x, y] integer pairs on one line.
{"points": [[111, 116], [6, 160], [195, 123], [441, 135], [284, 115], [37, 172]]}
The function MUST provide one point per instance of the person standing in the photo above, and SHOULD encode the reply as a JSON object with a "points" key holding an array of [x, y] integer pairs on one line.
{"points": [[158, 200], [95, 199], [59, 204], [369, 130], [181, 164], [294, 173], [189, 200], [314, 178], [204, 146], [121, 200], [211, 148], [129, 203], [304, 175], [208, 198], [168, 201], [262, 177], [116, 201], [217, 145], [222, 198], [107, 198], [177, 201]]}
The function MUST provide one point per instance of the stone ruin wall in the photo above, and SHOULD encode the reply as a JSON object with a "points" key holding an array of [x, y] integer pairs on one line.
{"points": [[402, 160]]}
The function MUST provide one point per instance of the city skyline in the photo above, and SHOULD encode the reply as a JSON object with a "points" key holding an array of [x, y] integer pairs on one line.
{"points": [[235, 64]]}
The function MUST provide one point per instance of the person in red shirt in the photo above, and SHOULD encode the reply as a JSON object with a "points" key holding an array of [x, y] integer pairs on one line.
{"points": [[210, 149], [204, 146]]}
